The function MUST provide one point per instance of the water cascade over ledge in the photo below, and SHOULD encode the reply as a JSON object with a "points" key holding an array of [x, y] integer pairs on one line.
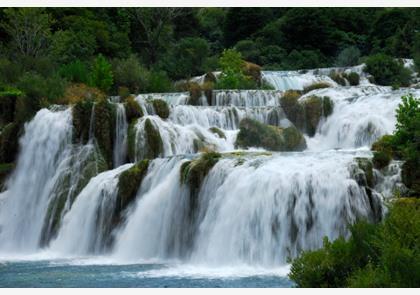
{"points": [[248, 206]]}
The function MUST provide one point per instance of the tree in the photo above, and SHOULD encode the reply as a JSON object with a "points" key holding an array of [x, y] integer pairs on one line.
{"points": [[29, 29], [187, 57], [154, 26], [348, 57], [101, 75]]}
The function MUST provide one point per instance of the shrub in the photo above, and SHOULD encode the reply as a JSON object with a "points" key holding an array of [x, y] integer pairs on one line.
{"points": [[387, 71], [159, 82], [9, 71], [375, 255], [348, 57], [249, 50], [101, 75], [353, 78], [81, 92], [75, 71], [129, 73]]}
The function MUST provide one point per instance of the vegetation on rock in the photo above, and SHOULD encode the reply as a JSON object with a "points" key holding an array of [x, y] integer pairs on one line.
{"points": [[255, 134], [161, 108]]}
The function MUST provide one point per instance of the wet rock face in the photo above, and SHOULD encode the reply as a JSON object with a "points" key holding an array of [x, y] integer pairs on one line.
{"points": [[154, 141], [255, 134], [132, 109]]}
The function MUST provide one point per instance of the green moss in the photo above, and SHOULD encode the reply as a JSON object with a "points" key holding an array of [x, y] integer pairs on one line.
{"points": [[255, 134], [366, 166], [315, 108], [131, 140], [381, 159], [82, 113], [133, 110], [314, 86], [194, 172], [129, 183], [353, 78], [293, 139], [217, 131], [293, 110], [161, 108], [154, 141], [104, 127], [338, 78]]}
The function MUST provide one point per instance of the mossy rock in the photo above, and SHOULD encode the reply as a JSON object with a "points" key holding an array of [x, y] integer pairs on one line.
{"points": [[9, 142], [82, 114], [255, 134], [123, 92], [353, 78], [383, 151], [293, 139], [133, 110], [198, 145], [195, 93], [315, 108], [104, 128], [5, 170], [129, 183], [131, 140], [161, 108], [154, 141], [291, 107], [366, 166], [217, 131], [194, 172], [319, 85], [338, 78]]}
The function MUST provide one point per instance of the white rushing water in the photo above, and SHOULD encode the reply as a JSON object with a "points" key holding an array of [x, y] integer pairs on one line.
{"points": [[120, 141], [23, 205], [252, 209]]}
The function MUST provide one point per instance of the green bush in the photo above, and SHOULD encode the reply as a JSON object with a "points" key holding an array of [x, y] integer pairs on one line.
{"points": [[75, 71], [348, 57], [159, 82], [375, 255], [101, 75], [130, 73], [387, 71], [353, 78]]}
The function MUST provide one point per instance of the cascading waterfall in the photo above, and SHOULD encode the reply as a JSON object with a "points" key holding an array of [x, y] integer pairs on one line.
{"points": [[120, 142], [253, 208], [90, 212], [23, 205]]}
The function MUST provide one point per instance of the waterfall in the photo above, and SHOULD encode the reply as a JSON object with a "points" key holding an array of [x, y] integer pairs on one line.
{"points": [[120, 141], [44, 146], [91, 212], [254, 208]]}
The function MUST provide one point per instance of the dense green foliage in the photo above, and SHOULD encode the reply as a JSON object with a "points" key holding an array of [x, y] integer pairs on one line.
{"points": [[376, 255], [387, 71]]}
